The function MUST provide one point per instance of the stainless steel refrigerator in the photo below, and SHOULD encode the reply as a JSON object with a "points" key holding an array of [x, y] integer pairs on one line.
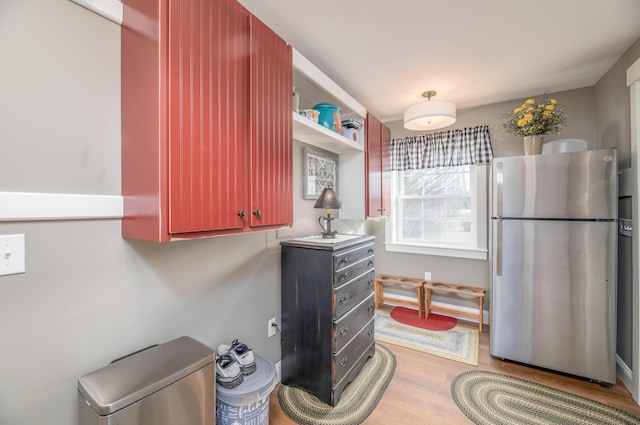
{"points": [[553, 291]]}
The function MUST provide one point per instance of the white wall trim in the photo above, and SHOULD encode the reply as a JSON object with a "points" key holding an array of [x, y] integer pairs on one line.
{"points": [[633, 73], [633, 81], [110, 9], [624, 372], [21, 206]]}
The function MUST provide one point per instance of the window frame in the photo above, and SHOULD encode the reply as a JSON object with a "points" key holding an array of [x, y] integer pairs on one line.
{"points": [[479, 174]]}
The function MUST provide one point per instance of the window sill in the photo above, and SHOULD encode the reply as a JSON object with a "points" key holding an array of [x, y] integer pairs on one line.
{"points": [[473, 254]]}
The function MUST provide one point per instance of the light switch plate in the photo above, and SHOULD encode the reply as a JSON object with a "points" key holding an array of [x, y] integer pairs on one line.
{"points": [[12, 254]]}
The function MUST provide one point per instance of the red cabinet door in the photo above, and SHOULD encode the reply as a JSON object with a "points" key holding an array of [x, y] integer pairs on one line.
{"points": [[385, 170], [377, 168], [271, 137], [208, 56]]}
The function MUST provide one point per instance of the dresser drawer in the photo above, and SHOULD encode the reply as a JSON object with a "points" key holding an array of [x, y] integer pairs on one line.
{"points": [[350, 294], [346, 358], [349, 324], [346, 274], [342, 259]]}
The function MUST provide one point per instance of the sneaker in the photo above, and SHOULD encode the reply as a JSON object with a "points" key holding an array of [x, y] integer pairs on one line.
{"points": [[228, 372], [242, 354]]}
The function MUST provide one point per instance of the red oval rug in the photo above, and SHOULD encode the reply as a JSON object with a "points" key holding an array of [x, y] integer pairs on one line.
{"points": [[435, 322]]}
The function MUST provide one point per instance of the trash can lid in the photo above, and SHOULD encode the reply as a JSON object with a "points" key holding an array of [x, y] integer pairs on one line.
{"points": [[254, 387], [133, 378]]}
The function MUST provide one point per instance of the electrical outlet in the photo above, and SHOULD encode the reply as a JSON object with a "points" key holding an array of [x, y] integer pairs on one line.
{"points": [[427, 276], [11, 254], [271, 331]]}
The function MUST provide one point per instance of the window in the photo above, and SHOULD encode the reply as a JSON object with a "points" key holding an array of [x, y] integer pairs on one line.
{"points": [[440, 211]]}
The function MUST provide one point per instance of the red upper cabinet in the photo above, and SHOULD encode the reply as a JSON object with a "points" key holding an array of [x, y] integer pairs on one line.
{"points": [[189, 132], [271, 174], [377, 168]]}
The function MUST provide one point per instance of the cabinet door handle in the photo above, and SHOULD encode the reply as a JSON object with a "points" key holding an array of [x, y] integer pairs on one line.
{"points": [[257, 213], [242, 213]]}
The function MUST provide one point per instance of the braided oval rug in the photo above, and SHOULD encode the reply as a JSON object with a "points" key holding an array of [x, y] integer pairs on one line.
{"points": [[357, 402], [489, 398]]}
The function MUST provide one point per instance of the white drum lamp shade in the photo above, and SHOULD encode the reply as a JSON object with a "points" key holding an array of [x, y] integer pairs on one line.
{"points": [[429, 115]]}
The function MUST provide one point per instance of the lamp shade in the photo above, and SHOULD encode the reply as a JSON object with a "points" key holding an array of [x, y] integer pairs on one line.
{"points": [[429, 115], [328, 199]]}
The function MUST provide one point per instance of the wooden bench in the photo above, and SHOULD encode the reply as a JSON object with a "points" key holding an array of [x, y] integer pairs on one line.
{"points": [[454, 289], [385, 279]]}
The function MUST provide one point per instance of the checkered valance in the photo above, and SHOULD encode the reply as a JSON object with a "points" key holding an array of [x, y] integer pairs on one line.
{"points": [[471, 145]]}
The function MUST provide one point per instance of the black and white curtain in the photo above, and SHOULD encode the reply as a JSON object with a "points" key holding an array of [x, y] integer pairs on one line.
{"points": [[471, 145]]}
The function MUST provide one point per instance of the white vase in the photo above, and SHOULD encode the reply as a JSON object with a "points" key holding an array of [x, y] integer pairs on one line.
{"points": [[533, 145]]}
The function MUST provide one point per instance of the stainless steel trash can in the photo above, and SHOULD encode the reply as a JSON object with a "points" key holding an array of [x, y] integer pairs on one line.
{"points": [[168, 384]]}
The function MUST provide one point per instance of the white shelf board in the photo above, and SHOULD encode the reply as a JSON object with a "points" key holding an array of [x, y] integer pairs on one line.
{"points": [[304, 67], [307, 131], [110, 9]]}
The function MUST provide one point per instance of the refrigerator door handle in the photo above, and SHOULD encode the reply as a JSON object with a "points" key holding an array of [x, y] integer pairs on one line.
{"points": [[498, 247], [498, 182]]}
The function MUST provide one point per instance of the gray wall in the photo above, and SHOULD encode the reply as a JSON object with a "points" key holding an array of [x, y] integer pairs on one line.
{"points": [[88, 296], [612, 110]]}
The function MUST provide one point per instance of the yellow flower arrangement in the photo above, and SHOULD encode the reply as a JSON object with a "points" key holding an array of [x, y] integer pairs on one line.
{"points": [[534, 119]]}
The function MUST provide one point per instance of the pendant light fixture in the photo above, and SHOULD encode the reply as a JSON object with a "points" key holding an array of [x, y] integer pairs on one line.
{"points": [[429, 115]]}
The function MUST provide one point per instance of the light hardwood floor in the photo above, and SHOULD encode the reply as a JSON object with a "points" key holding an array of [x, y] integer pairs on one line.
{"points": [[419, 391]]}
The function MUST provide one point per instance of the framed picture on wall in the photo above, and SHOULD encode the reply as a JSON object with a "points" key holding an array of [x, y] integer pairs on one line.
{"points": [[320, 170]]}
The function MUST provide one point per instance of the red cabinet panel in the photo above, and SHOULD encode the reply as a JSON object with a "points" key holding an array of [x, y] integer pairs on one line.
{"points": [[377, 168], [208, 53], [271, 177]]}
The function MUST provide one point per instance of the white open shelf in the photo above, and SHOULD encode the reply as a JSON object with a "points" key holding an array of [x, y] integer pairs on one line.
{"points": [[315, 87], [307, 131]]}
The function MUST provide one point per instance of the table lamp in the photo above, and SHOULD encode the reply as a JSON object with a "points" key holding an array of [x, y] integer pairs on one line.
{"points": [[328, 200]]}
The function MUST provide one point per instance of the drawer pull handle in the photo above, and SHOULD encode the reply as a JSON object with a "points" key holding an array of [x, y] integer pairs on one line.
{"points": [[343, 331], [370, 307], [370, 333], [343, 298], [370, 251], [343, 362], [343, 276], [370, 282], [370, 263], [344, 260]]}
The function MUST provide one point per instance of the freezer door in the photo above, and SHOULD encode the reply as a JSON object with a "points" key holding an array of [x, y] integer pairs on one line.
{"points": [[578, 185], [553, 296]]}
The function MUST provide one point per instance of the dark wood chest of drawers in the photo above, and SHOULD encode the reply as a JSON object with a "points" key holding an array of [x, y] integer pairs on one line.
{"points": [[327, 313]]}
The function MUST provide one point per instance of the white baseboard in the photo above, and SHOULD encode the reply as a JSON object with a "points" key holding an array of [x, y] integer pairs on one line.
{"points": [[278, 367], [625, 373]]}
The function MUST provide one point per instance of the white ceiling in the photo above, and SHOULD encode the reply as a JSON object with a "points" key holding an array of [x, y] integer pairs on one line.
{"points": [[472, 52]]}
